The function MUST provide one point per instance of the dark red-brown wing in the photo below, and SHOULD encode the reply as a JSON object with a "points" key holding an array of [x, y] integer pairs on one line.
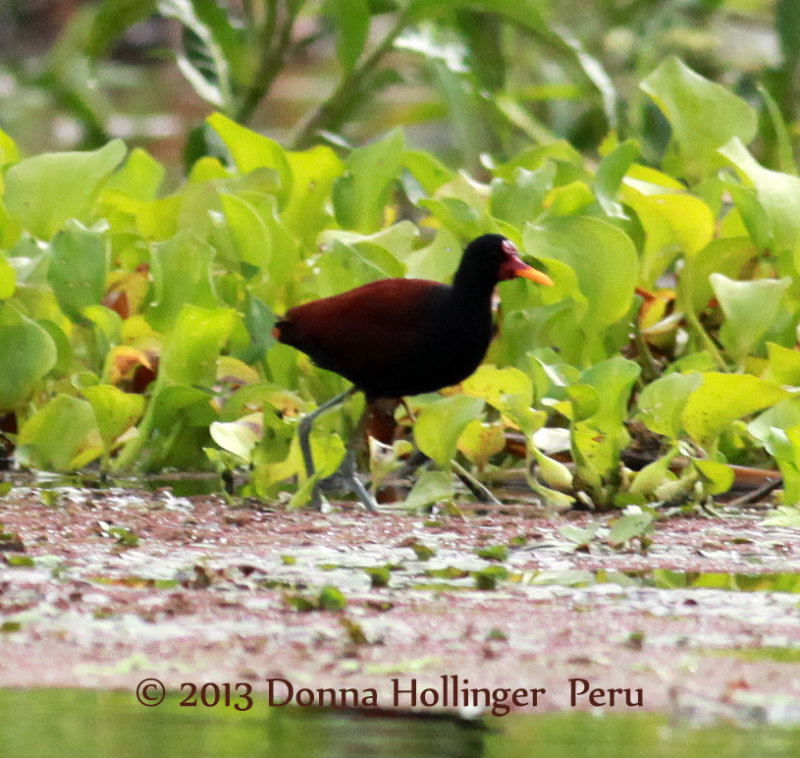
{"points": [[365, 330]]}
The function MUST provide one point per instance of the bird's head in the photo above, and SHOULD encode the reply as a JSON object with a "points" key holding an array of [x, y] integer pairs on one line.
{"points": [[493, 258]]}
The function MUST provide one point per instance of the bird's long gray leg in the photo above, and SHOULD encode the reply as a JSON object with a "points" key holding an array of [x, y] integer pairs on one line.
{"points": [[348, 473], [304, 430]]}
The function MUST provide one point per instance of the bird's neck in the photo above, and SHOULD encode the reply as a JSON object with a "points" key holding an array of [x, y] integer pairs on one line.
{"points": [[473, 291]]}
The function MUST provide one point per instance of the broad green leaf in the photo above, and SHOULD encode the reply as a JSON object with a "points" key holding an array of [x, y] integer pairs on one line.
{"points": [[605, 263], [519, 201], [552, 472], [750, 310], [250, 233], [703, 116], [778, 194], [45, 191], [238, 437], [140, 177], [181, 269], [610, 173], [440, 424], [580, 535], [600, 404], [192, 348], [724, 256], [251, 150], [661, 402], [360, 196], [313, 174], [111, 19], [723, 398], [716, 477], [783, 366], [569, 199], [58, 434], [654, 475], [114, 410], [673, 223], [495, 385], [8, 149], [176, 404], [397, 239], [628, 527], [465, 220], [351, 21], [431, 487], [8, 278], [343, 267], [28, 354], [78, 269], [428, 172], [480, 441]]}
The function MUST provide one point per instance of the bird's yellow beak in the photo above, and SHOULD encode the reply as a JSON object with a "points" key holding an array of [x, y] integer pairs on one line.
{"points": [[529, 272]]}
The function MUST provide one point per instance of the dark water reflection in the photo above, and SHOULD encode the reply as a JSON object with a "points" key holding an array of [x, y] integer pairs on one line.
{"points": [[85, 723]]}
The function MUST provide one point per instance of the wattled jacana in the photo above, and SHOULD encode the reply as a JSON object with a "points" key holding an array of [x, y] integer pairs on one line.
{"points": [[398, 337]]}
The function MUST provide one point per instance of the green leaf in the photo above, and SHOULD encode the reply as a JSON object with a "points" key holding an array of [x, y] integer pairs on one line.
{"points": [[716, 477], [723, 398], [191, 350], [628, 527], [238, 437], [8, 278], [28, 354], [724, 256], [523, 199], [181, 269], [431, 487], [778, 194], [251, 150], [351, 21], [57, 434], [703, 116], [750, 308], [605, 263], [783, 366], [599, 405], [8, 149], [140, 177], [45, 191], [610, 173], [78, 270], [313, 174], [331, 599], [653, 476], [250, 233], [673, 223], [112, 18], [661, 402], [440, 424], [580, 535], [114, 410], [480, 441], [360, 196]]}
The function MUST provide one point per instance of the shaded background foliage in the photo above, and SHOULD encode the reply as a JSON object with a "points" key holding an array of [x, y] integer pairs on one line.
{"points": [[463, 76]]}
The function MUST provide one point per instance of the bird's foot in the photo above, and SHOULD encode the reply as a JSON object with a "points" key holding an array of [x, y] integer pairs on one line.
{"points": [[347, 481]]}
